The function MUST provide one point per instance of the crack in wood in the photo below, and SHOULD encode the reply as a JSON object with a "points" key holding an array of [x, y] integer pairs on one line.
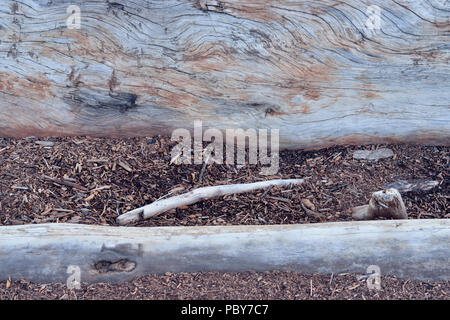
{"points": [[90, 101], [306, 68]]}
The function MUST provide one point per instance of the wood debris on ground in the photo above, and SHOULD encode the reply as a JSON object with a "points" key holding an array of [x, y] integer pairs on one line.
{"points": [[275, 285], [97, 179]]}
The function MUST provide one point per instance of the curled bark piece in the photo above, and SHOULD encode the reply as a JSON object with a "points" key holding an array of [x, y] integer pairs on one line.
{"points": [[197, 195], [387, 203]]}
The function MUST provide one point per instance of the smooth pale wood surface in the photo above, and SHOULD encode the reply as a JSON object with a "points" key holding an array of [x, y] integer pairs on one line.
{"points": [[309, 68], [199, 194], [414, 249]]}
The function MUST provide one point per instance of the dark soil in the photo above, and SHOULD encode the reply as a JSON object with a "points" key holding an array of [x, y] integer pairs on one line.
{"points": [[103, 178]]}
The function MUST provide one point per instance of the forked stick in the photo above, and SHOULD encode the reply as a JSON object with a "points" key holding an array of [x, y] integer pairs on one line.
{"points": [[197, 195]]}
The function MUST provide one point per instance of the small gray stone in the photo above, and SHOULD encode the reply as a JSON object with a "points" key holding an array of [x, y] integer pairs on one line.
{"points": [[373, 154]]}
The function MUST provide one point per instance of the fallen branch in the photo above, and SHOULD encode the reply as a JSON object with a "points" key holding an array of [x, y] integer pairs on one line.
{"points": [[387, 203], [197, 195]]}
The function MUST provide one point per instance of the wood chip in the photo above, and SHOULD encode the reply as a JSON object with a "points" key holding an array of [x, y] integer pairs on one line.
{"points": [[98, 160], [308, 204], [45, 143], [20, 188], [65, 182], [125, 166], [90, 197], [312, 213]]}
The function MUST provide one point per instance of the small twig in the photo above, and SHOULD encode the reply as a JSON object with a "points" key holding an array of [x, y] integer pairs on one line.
{"points": [[280, 199], [64, 182], [266, 191], [363, 277], [98, 160], [197, 195], [63, 210], [262, 219], [100, 188], [20, 188], [312, 213], [125, 166], [202, 172], [46, 163]]}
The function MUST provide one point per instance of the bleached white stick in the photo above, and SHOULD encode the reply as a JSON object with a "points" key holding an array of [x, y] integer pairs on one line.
{"points": [[197, 195]]}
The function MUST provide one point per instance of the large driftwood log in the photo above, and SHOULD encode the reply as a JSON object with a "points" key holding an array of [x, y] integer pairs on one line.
{"points": [[313, 69], [415, 249]]}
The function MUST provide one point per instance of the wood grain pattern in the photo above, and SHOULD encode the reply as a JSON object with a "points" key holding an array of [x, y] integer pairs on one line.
{"points": [[309, 68], [413, 249]]}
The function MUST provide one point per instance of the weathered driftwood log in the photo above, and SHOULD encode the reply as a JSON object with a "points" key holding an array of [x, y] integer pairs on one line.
{"points": [[416, 249], [386, 203], [320, 71], [197, 195]]}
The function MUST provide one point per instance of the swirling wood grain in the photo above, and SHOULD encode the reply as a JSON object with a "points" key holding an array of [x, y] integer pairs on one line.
{"points": [[312, 69]]}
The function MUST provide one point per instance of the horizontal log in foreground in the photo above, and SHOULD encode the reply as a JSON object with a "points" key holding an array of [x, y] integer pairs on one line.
{"points": [[415, 249], [312, 69]]}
